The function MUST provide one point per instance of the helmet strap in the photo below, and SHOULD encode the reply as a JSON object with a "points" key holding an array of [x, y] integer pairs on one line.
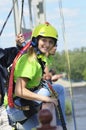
{"points": [[35, 45], [38, 52], [34, 42]]}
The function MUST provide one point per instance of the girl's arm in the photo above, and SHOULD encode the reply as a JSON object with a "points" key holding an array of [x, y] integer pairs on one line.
{"points": [[23, 92]]}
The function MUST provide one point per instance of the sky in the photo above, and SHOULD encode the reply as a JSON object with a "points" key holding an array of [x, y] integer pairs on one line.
{"points": [[74, 14]]}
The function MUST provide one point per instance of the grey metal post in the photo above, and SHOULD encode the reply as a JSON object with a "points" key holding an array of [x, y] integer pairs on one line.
{"points": [[16, 17], [30, 13]]}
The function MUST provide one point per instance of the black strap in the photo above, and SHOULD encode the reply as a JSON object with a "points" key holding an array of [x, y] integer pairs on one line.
{"points": [[42, 63]]}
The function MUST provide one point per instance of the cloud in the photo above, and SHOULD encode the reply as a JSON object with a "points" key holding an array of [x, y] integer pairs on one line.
{"points": [[26, 12], [1, 22], [52, 1], [3, 5], [5, 35], [70, 12]]}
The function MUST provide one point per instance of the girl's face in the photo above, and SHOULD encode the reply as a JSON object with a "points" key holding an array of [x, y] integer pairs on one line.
{"points": [[53, 50], [45, 44]]}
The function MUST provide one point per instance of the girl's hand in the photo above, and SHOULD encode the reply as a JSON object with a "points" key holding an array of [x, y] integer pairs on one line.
{"points": [[20, 39], [52, 100], [56, 77]]}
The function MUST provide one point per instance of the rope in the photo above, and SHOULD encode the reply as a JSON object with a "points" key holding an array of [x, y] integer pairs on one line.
{"points": [[68, 61], [7, 18]]}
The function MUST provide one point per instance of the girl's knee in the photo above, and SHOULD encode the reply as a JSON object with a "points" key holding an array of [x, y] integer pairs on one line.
{"points": [[59, 88]]}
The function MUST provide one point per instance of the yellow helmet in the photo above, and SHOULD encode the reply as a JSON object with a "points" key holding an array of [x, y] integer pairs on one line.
{"points": [[45, 30]]}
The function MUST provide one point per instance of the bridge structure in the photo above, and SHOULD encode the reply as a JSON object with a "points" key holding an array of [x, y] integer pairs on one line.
{"points": [[36, 14]]}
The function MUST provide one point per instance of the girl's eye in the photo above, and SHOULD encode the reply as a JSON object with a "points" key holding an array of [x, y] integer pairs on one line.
{"points": [[44, 40], [51, 42]]}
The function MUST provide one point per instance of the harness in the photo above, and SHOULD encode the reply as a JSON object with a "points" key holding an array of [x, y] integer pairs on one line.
{"points": [[10, 88], [11, 83]]}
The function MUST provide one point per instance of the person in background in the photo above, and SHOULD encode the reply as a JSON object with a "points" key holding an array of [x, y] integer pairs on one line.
{"points": [[7, 56], [51, 76]]}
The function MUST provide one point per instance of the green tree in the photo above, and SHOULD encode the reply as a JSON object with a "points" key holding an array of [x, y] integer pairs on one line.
{"points": [[77, 59]]}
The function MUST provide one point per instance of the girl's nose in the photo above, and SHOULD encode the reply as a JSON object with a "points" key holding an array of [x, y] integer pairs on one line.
{"points": [[47, 43]]}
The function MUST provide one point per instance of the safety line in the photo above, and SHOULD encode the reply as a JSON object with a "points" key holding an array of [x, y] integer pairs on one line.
{"points": [[68, 61]]}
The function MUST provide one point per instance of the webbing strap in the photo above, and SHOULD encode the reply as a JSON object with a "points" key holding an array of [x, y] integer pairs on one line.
{"points": [[42, 63], [10, 88]]}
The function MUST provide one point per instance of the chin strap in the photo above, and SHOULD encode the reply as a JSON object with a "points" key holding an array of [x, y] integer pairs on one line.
{"points": [[35, 45]]}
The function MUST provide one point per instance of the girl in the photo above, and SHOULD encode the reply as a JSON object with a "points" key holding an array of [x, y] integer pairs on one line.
{"points": [[27, 76]]}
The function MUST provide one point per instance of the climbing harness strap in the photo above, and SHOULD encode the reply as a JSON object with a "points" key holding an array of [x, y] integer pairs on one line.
{"points": [[10, 88], [42, 63]]}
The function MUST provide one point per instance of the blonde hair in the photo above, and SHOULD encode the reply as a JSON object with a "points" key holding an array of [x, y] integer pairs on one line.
{"points": [[31, 53]]}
